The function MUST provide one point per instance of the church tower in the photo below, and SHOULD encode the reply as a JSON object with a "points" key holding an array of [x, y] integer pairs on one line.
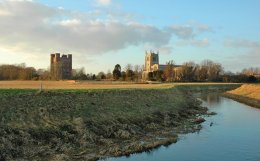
{"points": [[151, 59]]}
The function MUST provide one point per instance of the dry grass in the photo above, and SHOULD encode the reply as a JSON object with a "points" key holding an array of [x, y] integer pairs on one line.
{"points": [[247, 90], [76, 85], [49, 85]]}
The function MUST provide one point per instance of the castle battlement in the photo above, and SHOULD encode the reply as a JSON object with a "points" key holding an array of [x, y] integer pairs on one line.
{"points": [[61, 66]]}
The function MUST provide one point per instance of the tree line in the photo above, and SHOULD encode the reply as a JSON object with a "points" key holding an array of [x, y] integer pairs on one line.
{"points": [[130, 73], [206, 71], [21, 72], [17, 72]]}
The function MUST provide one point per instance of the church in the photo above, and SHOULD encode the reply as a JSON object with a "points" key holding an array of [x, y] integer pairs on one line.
{"points": [[152, 64]]}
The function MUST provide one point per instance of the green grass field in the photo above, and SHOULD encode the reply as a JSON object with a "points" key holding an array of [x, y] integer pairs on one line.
{"points": [[84, 124], [30, 108]]}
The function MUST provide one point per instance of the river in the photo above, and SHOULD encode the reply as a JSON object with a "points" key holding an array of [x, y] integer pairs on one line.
{"points": [[231, 135]]}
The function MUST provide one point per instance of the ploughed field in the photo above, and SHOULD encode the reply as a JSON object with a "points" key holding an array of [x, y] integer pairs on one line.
{"points": [[92, 124]]}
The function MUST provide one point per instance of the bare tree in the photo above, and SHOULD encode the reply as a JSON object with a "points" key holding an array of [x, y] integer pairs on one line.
{"points": [[251, 71], [129, 73], [189, 71], [109, 75], [168, 71], [15, 72], [138, 71], [101, 75], [128, 67], [209, 71]]}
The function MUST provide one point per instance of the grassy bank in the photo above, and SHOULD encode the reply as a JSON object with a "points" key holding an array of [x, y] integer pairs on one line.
{"points": [[91, 124], [247, 93], [206, 87]]}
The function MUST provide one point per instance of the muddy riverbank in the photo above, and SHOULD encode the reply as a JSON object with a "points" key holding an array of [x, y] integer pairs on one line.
{"points": [[93, 124]]}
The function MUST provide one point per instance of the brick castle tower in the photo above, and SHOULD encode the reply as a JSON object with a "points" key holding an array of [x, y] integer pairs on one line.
{"points": [[61, 67]]}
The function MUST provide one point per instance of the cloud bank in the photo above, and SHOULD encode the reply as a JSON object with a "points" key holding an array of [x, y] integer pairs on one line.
{"points": [[241, 43], [33, 29], [104, 2]]}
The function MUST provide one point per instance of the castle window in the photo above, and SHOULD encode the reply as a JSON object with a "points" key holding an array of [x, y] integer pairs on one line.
{"points": [[154, 59]]}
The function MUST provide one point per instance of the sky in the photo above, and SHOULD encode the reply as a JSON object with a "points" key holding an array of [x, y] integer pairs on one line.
{"points": [[102, 33]]}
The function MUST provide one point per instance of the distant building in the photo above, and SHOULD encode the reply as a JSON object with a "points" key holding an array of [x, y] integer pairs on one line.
{"points": [[257, 75], [61, 67], [152, 64]]}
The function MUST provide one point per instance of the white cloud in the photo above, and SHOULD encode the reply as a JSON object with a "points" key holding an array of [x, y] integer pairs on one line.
{"points": [[241, 43], [183, 31], [34, 30], [204, 28], [166, 50], [104, 2], [61, 8], [5, 13], [192, 42], [189, 31], [70, 22], [190, 35], [40, 29]]}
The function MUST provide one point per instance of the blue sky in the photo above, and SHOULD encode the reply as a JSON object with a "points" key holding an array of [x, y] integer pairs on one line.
{"points": [[102, 33]]}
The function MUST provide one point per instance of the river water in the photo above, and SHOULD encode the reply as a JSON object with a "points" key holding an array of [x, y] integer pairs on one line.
{"points": [[231, 135]]}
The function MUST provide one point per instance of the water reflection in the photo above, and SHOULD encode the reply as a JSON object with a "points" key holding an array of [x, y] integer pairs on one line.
{"points": [[211, 99]]}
